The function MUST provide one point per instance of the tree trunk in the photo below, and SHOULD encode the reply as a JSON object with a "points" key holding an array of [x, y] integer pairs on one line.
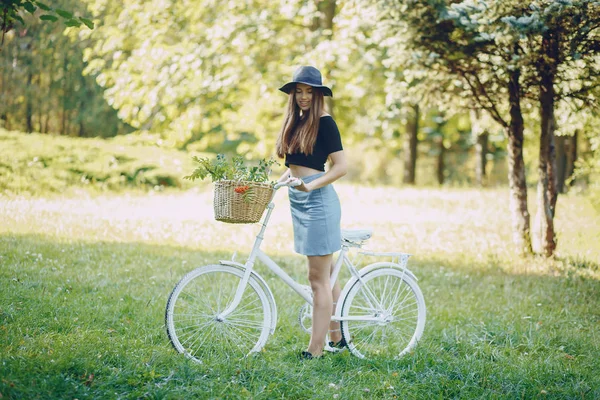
{"points": [[4, 98], [481, 149], [571, 156], [547, 194], [29, 104], [410, 146], [40, 104], [561, 163], [440, 162], [47, 109], [63, 124], [516, 169]]}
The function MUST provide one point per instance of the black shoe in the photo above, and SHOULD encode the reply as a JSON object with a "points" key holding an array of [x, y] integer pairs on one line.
{"points": [[339, 345], [305, 355]]}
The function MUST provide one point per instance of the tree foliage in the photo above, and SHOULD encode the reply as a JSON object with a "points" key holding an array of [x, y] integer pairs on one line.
{"points": [[11, 10], [203, 75]]}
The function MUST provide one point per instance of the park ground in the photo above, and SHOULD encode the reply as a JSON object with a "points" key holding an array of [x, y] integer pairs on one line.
{"points": [[85, 278]]}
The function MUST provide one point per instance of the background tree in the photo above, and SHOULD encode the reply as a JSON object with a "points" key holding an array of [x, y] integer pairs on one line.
{"points": [[41, 82], [208, 82], [481, 125], [563, 42], [11, 15], [467, 42], [507, 50]]}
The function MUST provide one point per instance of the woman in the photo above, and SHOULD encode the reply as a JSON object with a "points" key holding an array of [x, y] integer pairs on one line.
{"points": [[309, 136]]}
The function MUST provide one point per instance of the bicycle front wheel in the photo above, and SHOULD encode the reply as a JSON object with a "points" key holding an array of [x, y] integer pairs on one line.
{"points": [[385, 313], [195, 326]]}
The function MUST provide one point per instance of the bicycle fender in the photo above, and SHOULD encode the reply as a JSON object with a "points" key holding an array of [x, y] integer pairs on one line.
{"points": [[382, 264], [265, 287], [364, 271]]}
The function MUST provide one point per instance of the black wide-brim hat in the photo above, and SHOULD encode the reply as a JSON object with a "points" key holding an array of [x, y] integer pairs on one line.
{"points": [[309, 76]]}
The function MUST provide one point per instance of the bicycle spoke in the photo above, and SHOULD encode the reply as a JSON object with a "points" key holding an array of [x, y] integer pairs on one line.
{"points": [[243, 308], [407, 311], [196, 317], [381, 293], [218, 298], [245, 335], [403, 334], [409, 294], [404, 306], [239, 330], [370, 297], [367, 338], [385, 294], [369, 309], [188, 314], [198, 336], [364, 323], [401, 288], [197, 327], [245, 323], [230, 339], [190, 331], [199, 298]]}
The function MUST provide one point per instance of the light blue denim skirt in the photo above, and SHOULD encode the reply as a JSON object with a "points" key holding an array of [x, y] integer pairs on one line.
{"points": [[316, 219]]}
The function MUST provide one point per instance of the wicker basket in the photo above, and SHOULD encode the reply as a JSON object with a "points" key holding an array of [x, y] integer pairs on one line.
{"points": [[241, 208]]}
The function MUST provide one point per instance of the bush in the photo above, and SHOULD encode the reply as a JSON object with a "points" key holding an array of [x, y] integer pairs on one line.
{"points": [[36, 163]]}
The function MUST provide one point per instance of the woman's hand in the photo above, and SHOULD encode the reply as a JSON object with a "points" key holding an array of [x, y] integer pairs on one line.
{"points": [[303, 187], [293, 181]]}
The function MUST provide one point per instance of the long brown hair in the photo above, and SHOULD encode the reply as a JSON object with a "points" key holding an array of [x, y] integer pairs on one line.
{"points": [[299, 133]]}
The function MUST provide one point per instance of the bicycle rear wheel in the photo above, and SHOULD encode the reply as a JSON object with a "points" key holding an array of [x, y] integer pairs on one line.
{"points": [[387, 312], [193, 320]]}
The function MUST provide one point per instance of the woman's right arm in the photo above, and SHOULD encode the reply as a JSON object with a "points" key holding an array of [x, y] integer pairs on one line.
{"points": [[284, 177]]}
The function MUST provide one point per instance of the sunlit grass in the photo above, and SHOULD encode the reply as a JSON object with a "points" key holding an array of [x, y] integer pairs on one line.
{"points": [[85, 279], [429, 223]]}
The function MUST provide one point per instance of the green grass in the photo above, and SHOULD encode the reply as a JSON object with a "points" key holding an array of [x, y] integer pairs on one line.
{"points": [[84, 281]]}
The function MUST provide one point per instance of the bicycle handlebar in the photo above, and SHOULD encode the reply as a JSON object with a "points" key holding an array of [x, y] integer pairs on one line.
{"points": [[294, 183]]}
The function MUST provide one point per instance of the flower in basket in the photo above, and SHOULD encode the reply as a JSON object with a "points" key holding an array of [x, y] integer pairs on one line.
{"points": [[241, 192], [246, 192]]}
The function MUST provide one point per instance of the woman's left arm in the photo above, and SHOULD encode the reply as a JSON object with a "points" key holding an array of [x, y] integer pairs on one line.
{"points": [[338, 169]]}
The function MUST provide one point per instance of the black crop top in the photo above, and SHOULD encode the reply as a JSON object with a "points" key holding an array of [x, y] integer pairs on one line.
{"points": [[328, 141]]}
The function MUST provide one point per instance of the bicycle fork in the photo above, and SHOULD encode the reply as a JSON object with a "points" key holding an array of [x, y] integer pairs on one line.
{"points": [[248, 267]]}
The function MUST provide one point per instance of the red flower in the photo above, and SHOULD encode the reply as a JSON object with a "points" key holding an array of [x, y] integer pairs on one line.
{"points": [[241, 189]]}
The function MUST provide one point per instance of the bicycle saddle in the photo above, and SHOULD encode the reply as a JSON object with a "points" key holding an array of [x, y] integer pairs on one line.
{"points": [[356, 235]]}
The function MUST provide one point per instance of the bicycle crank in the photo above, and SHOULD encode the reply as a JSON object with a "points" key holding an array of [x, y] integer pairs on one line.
{"points": [[305, 317]]}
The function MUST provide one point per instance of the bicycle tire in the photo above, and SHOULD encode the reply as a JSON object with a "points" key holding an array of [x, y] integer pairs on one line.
{"points": [[194, 303], [394, 297]]}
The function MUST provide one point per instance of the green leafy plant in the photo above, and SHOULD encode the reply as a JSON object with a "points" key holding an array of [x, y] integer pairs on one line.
{"points": [[9, 14], [220, 168]]}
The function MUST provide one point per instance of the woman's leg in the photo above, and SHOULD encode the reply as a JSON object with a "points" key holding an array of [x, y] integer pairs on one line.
{"points": [[335, 335], [318, 276]]}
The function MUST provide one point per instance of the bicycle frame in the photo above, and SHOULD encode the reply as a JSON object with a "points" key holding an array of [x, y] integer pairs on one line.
{"points": [[298, 288]]}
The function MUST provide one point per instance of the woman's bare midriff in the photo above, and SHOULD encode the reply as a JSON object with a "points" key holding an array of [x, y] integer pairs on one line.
{"points": [[300, 171]]}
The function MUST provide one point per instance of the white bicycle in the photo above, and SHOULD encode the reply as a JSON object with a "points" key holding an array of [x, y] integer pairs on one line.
{"points": [[227, 310]]}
